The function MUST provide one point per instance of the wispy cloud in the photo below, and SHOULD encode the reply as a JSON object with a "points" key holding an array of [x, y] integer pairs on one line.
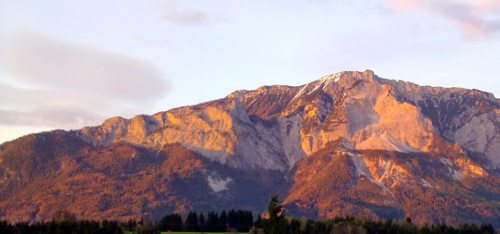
{"points": [[174, 12], [42, 61], [53, 117], [474, 18], [149, 40], [69, 85], [404, 5]]}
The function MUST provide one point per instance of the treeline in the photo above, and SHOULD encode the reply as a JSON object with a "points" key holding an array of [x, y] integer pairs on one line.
{"points": [[231, 221], [274, 222], [62, 227], [363, 226], [65, 222], [278, 223]]}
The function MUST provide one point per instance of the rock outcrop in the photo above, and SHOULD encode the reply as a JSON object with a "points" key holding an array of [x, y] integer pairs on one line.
{"points": [[350, 143]]}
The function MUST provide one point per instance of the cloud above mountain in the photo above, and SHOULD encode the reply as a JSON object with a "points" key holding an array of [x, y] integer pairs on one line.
{"points": [[59, 117], [474, 18], [38, 60], [179, 12], [174, 12], [67, 85]]}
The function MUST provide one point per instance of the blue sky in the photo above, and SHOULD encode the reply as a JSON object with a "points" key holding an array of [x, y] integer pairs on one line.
{"points": [[68, 64]]}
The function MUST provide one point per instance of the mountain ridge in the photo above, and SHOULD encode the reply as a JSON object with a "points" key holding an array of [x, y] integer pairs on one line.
{"points": [[349, 143]]}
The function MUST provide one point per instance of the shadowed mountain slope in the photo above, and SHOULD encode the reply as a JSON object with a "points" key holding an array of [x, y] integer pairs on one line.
{"points": [[350, 143]]}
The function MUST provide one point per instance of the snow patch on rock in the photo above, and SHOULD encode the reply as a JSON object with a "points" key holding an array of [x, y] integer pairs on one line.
{"points": [[446, 161], [218, 184], [329, 79], [426, 184], [456, 174], [322, 83]]}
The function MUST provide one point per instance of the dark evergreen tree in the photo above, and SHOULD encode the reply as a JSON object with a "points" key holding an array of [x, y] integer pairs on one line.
{"points": [[131, 225], [172, 222], [487, 228], [148, 227], [239, 220], [276, 216], [294, 227], [258, 222], [231, 220], [248, 217], [201, 223], [191, 224], [223, 222], [213, 224]]}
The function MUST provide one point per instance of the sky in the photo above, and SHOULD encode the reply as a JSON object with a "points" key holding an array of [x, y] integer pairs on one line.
{"points": [[69, 64]]}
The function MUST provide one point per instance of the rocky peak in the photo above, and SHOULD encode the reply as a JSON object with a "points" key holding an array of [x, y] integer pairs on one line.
{"points": [[367, 75], [359, 108], [349, 143]]}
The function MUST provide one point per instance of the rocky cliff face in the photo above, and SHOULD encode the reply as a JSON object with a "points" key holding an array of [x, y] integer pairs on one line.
{"points": [[349, 143]]}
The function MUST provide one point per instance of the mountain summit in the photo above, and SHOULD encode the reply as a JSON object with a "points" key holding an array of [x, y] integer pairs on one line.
{"points": [[350, 143]]}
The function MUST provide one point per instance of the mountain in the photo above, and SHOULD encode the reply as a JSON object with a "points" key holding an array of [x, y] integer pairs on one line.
{"points": [[350, 143]]}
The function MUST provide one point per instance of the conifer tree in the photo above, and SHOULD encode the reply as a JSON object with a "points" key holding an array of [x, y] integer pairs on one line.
{"points": [[276, 222], [192, 222], [201, 223]]}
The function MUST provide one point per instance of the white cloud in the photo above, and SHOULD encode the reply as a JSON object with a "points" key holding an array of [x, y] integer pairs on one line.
{"points": [[474, 18], [404, 5], [13, 132], [175, 12], [51, 83], [66, 118], [41, 61]]}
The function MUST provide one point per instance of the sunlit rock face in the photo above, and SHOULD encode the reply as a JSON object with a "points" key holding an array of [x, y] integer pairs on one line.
{"points": [[349, 143], [273, 127]]}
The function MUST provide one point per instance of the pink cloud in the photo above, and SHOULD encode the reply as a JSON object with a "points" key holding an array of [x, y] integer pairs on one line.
{"points": [[471, 17], [174, 12], [40, 61], [403, 5], [53, 83], [54, 117], [474, 18], [487, 5]]}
